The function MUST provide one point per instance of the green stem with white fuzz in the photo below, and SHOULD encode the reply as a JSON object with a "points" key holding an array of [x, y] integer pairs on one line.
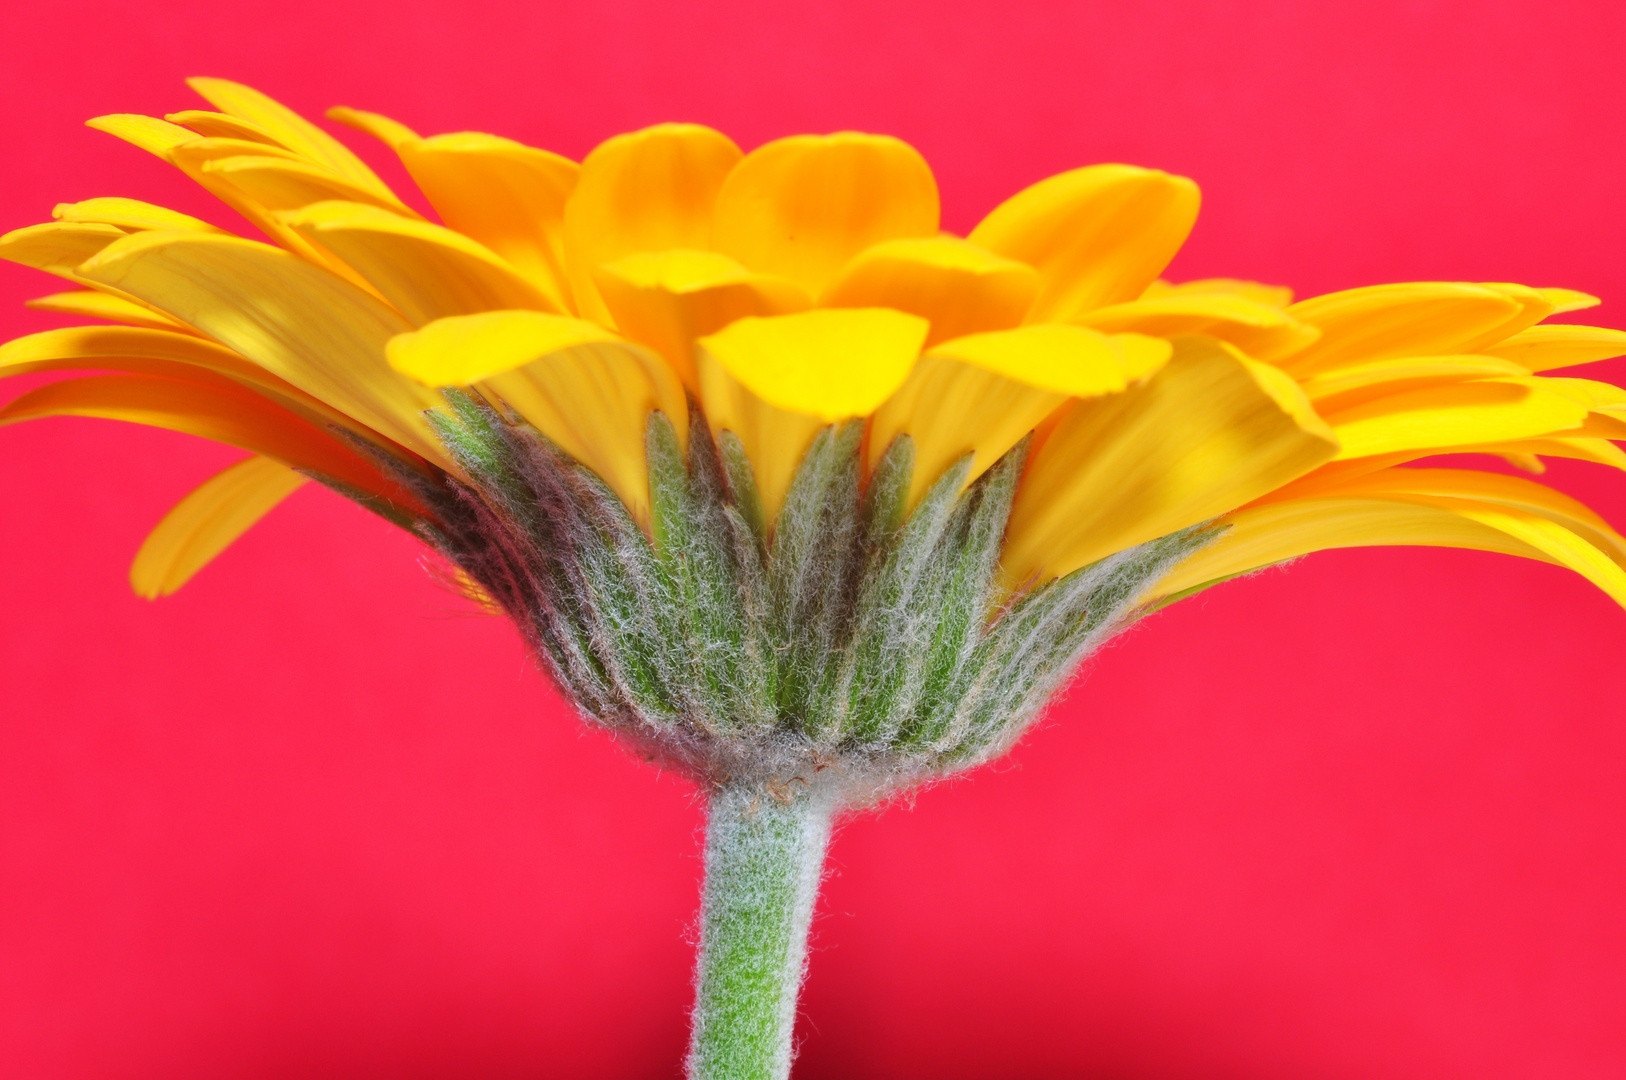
{"points": [[764, 856]]}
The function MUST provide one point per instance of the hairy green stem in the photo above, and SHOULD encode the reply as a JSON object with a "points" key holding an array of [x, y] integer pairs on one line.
{"points": [[764, 856]]}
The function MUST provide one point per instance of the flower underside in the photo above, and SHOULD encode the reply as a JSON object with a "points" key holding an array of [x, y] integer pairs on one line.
{"points": [[777, 478]]}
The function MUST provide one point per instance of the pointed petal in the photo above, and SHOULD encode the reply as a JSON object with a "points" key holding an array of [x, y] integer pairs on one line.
{"points": [[215, 125], [1209, 432], [296, 320], [581, 386], [1379, 322], [1265, 535], [210, 411], [1534, 306], [392, 133], [1483, 410], [291, 130], [982, 394], [131, 214], [801, 207], [649, 190], [1099, 235], [204, 523], [668, 300], [90, 304], [1543, 348], [427, 272], [57, 247], [1260, 330], [775, 382], [961, 288], [275, 184], [1344, 387], [1569, 300], [149, 133]]}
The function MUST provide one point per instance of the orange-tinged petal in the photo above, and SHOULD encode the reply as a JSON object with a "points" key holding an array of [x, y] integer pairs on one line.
{"points": [[982, 394], [211, 411], [1380, 322], [648, 190], [775, 382], [392, 133], [1263, 331], [1099, 235], [1543, 348], [801, 207], [427, 272], [667, 300], [1209, 432], [1261, 536], [588, 391], [291, 130], [1534, 306], [204, 524], [1276, 296], [294, 319], [961, 288], [508, 196]]}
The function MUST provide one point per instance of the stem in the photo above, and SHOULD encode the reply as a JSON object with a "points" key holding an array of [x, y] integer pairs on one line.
{"points": [[763, 861]]}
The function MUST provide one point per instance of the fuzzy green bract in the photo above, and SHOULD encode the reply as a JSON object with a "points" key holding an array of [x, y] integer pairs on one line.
{"points": [[850, 643]]}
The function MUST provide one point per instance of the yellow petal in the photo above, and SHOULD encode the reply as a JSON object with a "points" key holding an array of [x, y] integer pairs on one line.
{"points": [[159, 351], [1099, 235], [982, 394], [462, 351], [1543, 348], [581, 386], [149, 133], [427, 272], [801, 207], [214, 125], [1209, 432], [1569, 300], [506, 195], [291, 130], [1262, 331], [1262, 536], [775, 382], [648, 190], [1343, 387], [90, 304], [832, 363], [1379, 322], [1483, 410], [960, 287], [130, 214], [392, 133], [204, 523], [1534, 306], [296, 320], [210, 411], [668, 300], [1276, 296], [275, 184], [58, 247]]}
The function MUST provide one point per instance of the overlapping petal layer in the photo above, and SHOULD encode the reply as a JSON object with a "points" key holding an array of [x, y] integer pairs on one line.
{"points": [[780, 291]]}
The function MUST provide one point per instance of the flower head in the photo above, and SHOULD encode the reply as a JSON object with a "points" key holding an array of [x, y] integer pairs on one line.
{"points": [[777, 477]]}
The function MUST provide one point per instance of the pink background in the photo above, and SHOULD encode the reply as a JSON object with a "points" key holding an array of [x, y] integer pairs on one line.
{"points": [[314, 817]]}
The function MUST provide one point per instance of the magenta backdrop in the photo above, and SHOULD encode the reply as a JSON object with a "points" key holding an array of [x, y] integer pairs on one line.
{"points": [[313, 817]]}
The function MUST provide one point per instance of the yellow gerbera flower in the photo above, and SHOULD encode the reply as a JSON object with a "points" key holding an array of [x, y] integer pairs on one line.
{"points": [[781, 481]]}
